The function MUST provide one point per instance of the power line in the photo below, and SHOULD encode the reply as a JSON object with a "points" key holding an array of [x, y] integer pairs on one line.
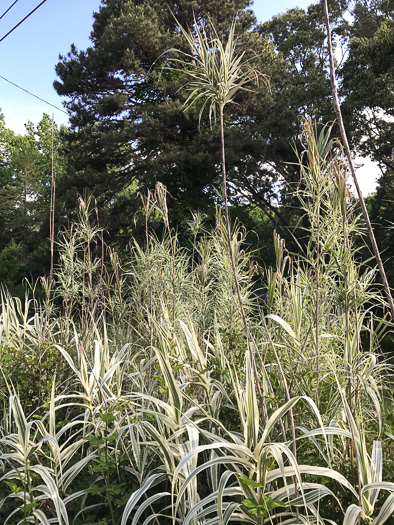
{"points": [[33, 95], [5, 36], [21, 22], [11, 6]]}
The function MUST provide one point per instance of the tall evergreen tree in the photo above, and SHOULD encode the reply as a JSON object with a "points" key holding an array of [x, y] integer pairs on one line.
{"points": [[129, 127]]}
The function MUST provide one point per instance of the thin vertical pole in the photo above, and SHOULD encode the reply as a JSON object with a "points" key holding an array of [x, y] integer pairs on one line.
{"points": [[52, 206], [334, 91]]}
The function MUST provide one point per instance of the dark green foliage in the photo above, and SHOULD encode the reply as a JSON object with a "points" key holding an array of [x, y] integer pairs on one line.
{"points": [[25, 188], [381, 207], [368, 80], [129, 126], [12, 269]]}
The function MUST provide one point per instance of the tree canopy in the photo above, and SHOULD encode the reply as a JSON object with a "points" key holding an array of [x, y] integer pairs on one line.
{"points": [[25, 190]]}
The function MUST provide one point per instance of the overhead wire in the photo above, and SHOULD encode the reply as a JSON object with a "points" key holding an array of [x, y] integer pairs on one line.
{"points": [[33, 95], [6, 11], [5, 36], [21, 22]]}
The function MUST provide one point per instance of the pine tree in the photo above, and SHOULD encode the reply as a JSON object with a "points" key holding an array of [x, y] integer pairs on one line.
{"points": [[128, 120]]}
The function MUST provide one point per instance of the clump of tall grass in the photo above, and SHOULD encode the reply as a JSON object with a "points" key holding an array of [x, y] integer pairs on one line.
{"points": [[165, 421], [182, 396], [324, 297]]}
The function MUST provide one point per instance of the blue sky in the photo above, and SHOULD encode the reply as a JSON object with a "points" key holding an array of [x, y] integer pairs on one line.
{"points": [[28, 56]]}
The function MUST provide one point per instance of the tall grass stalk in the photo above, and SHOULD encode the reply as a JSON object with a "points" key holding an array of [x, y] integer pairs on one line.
{"points": [[348, 153], [216, 72]]}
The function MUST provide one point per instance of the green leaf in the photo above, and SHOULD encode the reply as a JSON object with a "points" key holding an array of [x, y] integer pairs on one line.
{"points": [[107, 417], [273, 504], [29, 507], [94, 440], [249, 482], [262, 509], [13, 486], [95, 489], [249, 504]]}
